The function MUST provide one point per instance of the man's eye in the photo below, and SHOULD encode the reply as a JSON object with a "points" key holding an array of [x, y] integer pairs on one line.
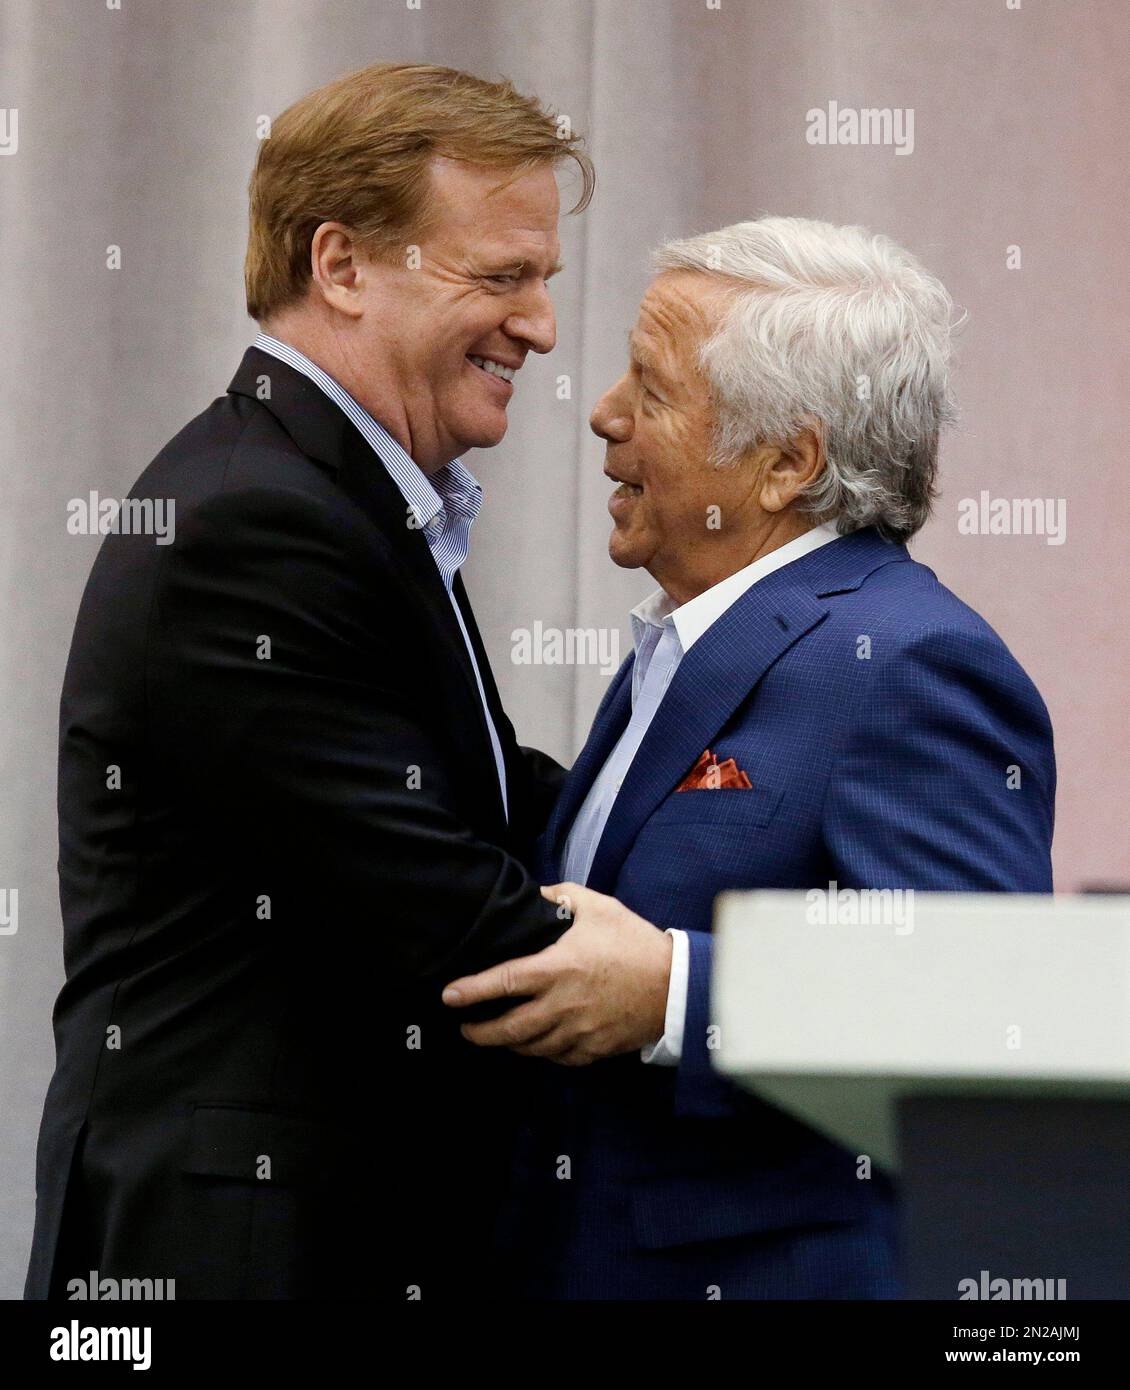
{"points": [[503, 279]]}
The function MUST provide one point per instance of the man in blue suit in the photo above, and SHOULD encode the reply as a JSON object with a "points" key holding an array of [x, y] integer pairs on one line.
{"points": [[805, 707]]}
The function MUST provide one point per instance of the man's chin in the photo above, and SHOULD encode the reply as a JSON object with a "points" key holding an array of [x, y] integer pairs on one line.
{"points": [[622, 552], [483, 434]]}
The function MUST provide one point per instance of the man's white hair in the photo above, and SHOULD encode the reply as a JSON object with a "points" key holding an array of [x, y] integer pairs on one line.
{"points": [[837, 326]]}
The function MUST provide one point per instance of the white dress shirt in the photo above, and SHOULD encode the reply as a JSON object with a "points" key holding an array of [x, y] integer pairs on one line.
{"points": [[663, 633], [443, 506]]}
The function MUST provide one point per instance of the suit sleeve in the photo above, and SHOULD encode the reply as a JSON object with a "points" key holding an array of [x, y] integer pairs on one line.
{"points": [[285, 677], [945, 783]]}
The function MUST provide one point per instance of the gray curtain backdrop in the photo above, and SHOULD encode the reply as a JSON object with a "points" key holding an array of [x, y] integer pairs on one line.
{"points": [[137, 129]]}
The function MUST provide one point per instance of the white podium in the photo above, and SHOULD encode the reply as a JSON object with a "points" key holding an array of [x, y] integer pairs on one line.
{"points": [[977, 1046]]}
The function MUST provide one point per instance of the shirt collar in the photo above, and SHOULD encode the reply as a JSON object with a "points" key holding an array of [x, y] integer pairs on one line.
{"points": [[451, 488], [691, 619], [653, 613]]}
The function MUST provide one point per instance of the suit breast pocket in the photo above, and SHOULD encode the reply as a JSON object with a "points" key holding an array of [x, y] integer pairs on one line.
{"points": [[699, 844], [739, 806]]}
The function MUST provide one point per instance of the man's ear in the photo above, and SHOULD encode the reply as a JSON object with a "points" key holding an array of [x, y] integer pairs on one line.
{"points": [[798, 463], [337, 268]]}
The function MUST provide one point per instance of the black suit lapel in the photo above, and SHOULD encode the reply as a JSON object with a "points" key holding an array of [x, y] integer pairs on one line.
{"points": [[502, 726], [325, 433]]}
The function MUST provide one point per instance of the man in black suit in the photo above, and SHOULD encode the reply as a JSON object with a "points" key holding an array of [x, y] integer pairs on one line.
{"points": [[291, 807]]}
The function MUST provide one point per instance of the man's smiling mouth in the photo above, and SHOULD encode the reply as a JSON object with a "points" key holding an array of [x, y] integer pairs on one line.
{"points": [[493, 368]]}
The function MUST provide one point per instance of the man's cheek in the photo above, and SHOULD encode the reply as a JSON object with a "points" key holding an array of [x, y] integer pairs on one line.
{"points": [[651, 514]]}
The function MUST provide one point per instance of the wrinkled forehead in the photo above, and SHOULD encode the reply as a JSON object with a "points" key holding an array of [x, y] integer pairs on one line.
{"points": [[678, 312]]}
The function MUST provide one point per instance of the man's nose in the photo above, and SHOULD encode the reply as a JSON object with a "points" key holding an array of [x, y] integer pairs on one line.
{"points": [[536, 323], [609, 419]]}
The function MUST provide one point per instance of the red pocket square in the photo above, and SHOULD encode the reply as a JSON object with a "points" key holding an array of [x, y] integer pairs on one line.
{"points": [[708, 773]]}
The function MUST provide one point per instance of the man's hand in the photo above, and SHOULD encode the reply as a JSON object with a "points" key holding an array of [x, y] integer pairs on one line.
{"points": [[601, 989]]}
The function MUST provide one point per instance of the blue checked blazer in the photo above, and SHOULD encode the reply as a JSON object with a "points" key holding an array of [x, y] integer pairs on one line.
{"points": [[881, 722]]}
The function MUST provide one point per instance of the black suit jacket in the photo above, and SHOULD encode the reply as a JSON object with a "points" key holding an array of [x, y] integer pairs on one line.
{"points": [[280, 834]]}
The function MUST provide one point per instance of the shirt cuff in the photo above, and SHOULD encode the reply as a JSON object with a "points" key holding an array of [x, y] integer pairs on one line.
{"points": [[668, 1051]]}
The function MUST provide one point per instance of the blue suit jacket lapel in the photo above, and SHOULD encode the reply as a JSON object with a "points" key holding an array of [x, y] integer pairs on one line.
{"points": [[720, 671]]}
